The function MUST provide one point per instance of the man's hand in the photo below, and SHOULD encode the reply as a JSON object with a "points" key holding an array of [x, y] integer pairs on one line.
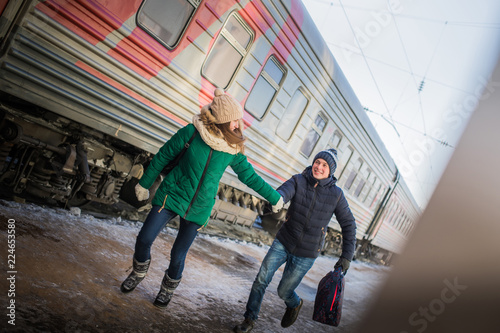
{"points": [[141, 193], [345, 263]]}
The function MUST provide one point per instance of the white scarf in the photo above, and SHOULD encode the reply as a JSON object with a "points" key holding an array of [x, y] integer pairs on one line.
{"points": [[215, 142]]}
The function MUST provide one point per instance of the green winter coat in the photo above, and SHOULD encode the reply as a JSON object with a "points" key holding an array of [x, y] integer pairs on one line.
{"points": [[181, 190]]}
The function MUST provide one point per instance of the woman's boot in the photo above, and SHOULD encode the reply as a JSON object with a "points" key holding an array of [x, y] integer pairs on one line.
{"points": [[168, 286], [138, 273]]}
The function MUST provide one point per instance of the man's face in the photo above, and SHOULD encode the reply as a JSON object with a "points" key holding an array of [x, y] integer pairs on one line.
{"points": [[320, 169]]}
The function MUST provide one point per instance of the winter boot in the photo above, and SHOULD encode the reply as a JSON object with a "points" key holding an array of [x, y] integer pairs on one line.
{"points": [[291, 315], [168, 286], [245, 327], [138, 273]]}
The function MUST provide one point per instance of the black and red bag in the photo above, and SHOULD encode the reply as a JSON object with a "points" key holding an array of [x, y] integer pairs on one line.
{"points": [[328, 303]]}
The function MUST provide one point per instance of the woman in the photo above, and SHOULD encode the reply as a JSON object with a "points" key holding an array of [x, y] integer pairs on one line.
{"points": [[189, 190]]}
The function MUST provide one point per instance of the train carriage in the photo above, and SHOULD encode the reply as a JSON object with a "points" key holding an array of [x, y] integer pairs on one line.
{"points": [[90, 89]]}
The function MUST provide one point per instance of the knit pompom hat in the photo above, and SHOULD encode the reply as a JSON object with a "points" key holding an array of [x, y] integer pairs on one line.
{"points": [[225, 108], [330, 156]]}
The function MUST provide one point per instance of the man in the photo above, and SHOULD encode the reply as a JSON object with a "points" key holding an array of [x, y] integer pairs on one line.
{"points": [[314, 198]]}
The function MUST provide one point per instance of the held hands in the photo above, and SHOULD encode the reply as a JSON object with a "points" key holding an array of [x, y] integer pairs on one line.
{"points": [[141, 193], [345, 263], [278, 206]]}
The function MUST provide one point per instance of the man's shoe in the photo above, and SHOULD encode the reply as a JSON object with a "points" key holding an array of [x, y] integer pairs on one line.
{"points": [[245, 327], [291, 315]]}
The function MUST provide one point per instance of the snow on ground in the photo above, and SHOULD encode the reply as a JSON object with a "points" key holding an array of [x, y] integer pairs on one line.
{"points": [[69, 267]]}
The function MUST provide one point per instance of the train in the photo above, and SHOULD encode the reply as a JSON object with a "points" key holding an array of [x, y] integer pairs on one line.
{"points": [[91, 89]]}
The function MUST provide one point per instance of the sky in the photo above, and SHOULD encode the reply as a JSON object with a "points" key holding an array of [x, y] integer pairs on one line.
{"points": [[419, 69]]}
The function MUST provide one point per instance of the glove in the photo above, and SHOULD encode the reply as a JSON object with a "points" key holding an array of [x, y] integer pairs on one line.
{"points": [[278, 206], [141, 193], [345, 263]]}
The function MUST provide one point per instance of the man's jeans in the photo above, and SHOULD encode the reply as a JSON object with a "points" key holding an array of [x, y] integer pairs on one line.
{"points": [[155, 222], [295, 269]]}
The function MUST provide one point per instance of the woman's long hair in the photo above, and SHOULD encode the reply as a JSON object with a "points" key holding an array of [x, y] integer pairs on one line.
{"points": [[235, 138]]}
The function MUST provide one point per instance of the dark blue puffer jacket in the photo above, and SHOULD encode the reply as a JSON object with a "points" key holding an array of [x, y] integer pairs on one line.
{"points": [[313, 203]]}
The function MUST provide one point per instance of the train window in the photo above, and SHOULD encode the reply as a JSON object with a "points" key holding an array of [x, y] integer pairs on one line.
{"points": [[370, 198], [363, 184], [344, 156], [359, 188], [402, 222], [166, 21], [408, 226], [228, 51], [393, 218], [313, 135], [396, 218], [354, 172], [386, 212], [367, 186], [377, 197], [293, 113], [335, 140], [350, 179], [390, 212], [265, 89], [399, 221], [391, 207]]}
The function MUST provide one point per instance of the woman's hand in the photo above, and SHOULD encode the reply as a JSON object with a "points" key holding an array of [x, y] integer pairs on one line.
{"points": [[278, 206], [141, 193]]}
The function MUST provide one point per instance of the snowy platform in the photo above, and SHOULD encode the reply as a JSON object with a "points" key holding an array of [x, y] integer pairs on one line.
{"points": [[69, 267]]}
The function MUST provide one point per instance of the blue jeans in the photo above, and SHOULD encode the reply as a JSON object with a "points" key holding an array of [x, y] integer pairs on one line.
{"points": [[295, 270], [155, 222]]}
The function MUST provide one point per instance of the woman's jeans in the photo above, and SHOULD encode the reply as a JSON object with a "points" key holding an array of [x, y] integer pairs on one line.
{"points": [[155, 222], [295, 270]]}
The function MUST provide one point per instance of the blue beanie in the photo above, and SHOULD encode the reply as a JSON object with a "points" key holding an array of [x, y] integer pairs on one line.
{"points": [[330, 156]]}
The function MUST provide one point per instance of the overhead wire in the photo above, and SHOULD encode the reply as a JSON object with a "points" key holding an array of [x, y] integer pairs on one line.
{"points": [[435, 50], [457, 23], [491, 25], [346, 6], [408, 62], [406, 71], [326, 16], [420, 88], [398, 102], [419, 85], [366, 62], [378, 88], [444, 143], [416, 85]]}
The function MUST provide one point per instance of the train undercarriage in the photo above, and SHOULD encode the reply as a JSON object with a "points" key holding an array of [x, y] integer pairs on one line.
{"points": [[45, 156]]}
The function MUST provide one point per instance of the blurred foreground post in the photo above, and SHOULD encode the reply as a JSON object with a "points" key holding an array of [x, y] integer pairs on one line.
{"points": [[448, 277]]}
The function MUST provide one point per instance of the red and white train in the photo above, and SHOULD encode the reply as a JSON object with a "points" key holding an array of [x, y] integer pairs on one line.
{"points": [[90, 89]]}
